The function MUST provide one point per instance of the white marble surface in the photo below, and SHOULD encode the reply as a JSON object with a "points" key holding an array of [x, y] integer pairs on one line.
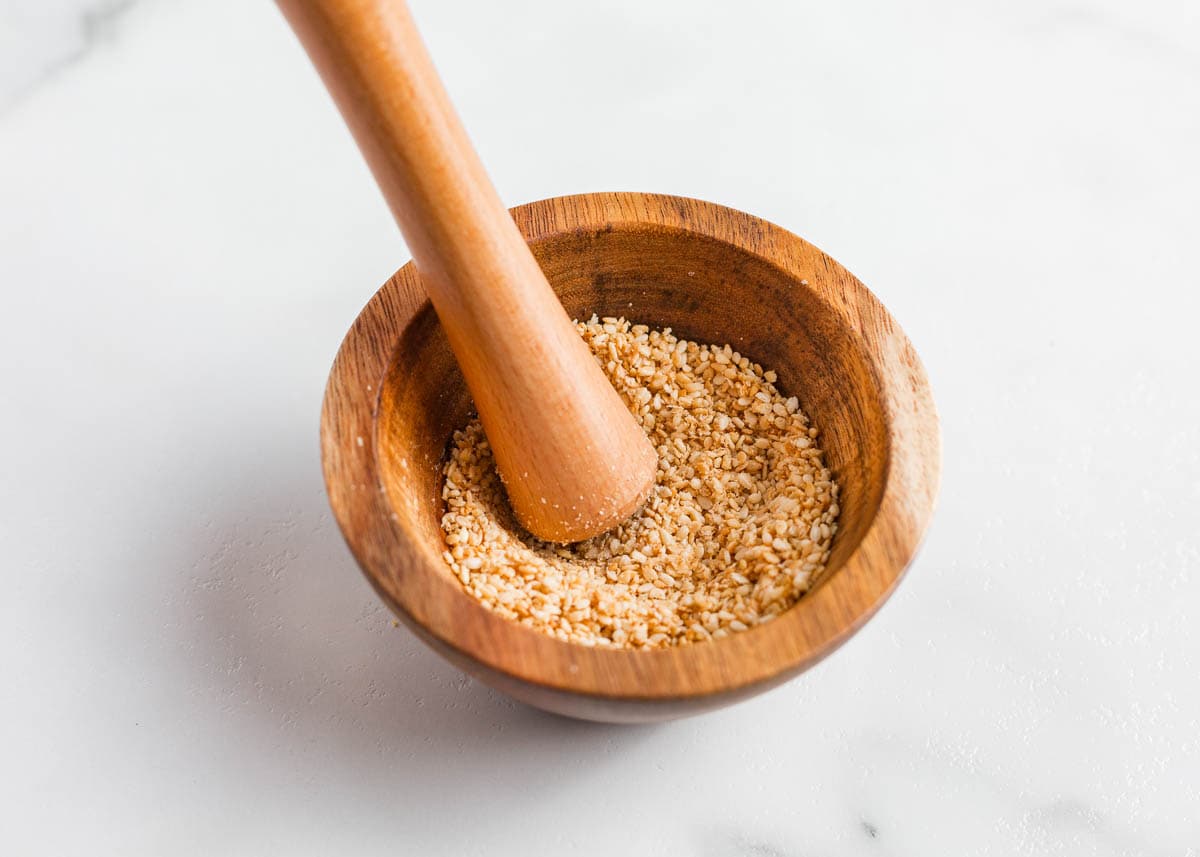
{"points": [[192, 664]]}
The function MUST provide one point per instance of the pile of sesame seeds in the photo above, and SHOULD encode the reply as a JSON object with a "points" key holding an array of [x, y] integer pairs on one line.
{"points": [[737, 528]]}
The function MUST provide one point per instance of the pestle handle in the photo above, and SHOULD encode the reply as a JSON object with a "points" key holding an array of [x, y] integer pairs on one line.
{"points": [[573, 459]]}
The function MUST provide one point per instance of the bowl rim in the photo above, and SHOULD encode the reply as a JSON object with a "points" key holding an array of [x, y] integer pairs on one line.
{"points": [[441, 612]]}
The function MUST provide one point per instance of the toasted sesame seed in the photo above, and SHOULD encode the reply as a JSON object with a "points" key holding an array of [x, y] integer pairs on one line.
{"points": [[737, 529]]}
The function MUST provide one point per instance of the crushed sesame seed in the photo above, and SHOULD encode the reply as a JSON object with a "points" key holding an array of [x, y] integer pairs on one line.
{"points": [[738, 527]]}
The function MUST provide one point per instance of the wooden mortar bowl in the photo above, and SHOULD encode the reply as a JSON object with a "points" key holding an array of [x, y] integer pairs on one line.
{"points": [[713, 275]]}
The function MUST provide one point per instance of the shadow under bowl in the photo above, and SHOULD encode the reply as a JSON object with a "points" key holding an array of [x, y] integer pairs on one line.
{"points": [[713, 275]]}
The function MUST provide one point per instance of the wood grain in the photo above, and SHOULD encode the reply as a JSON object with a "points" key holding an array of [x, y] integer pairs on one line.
{"points": [[574, 461], [712, 274]]}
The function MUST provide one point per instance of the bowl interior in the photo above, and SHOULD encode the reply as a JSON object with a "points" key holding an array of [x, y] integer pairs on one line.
{"points": [[704, 289]]}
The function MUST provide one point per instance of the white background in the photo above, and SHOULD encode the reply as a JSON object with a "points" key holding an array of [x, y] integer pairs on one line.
{"points": [[192, 664]]}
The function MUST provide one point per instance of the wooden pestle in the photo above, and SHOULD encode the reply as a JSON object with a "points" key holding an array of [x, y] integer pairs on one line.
{"points": [[573, 460]]}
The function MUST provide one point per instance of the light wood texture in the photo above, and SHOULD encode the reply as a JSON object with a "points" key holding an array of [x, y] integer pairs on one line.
{"points": [[573, 460], [714, 275]]}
